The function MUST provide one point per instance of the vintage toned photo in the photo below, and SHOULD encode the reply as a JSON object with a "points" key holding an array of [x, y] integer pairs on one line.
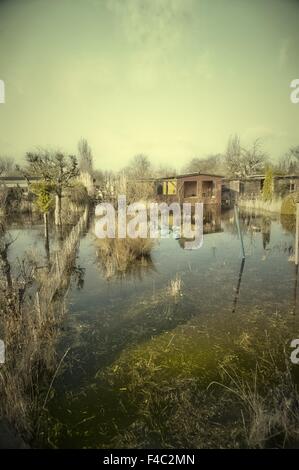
{"points": [[149, 225]]}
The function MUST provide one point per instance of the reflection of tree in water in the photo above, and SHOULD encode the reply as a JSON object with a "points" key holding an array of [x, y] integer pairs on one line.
{"points": [[288, 222], [78, 274], [30, 322], [211, 223], [212, 219], [266, 231], [250, 223]]}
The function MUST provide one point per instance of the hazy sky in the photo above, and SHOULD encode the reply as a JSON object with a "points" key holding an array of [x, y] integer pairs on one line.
{"points": [[169, 78]]}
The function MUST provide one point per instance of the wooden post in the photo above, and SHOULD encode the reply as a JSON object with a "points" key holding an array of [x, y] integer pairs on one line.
{"points": [[239, 230], [297, 234], [239, 285]]}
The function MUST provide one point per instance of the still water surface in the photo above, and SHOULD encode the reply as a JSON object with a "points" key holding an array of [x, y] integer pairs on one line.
{"points": [[108, 320]]}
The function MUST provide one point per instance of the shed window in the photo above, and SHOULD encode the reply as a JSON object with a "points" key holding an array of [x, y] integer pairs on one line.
{"points": [[169, 187], [207, 188], [190, 188], [159, 189]]}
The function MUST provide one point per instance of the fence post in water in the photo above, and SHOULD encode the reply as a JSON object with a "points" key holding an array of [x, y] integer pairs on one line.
{"points": [[239, 230], [297, 233]]}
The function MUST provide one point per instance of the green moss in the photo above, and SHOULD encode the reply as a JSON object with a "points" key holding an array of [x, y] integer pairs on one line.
{"points": [[288, 206]]}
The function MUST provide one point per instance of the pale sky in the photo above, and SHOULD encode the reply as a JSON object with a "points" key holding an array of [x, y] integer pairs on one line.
{"points": [[169, 78]]}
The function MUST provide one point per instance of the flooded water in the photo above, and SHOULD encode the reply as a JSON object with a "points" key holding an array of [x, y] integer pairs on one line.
{"points": [[127, 338]]}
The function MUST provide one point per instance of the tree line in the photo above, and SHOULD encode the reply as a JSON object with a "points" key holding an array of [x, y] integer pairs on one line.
{"points": [[58, 171]]}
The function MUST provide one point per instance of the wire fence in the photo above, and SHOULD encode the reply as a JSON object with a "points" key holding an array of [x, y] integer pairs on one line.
{"points": [[60, 263]]}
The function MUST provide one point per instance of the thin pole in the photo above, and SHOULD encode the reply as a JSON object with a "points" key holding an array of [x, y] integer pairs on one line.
{"points": [[297, 234], [239, 230], [295, 288], [239, 285]]}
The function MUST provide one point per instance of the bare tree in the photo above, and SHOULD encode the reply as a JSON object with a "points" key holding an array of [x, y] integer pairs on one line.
{"points": [[289, 163], [56, 169], [241, 161], [254, 158], [233, 156], [212, 164], [6, 165], [140, 167], [135, 179], [165, 171], [85, 156]]}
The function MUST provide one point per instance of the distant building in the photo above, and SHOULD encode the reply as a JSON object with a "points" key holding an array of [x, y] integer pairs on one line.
{"points": [[252, 187], [17, 181], [191, 187]]}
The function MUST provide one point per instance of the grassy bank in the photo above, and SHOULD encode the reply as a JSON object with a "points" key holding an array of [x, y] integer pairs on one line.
{"points": [[32, 308], [192, 389], [260, 205]]}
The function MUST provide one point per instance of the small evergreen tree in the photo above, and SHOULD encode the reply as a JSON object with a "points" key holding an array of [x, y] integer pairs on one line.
{"points": [[44, 195], [268, 185], [44, 201]]}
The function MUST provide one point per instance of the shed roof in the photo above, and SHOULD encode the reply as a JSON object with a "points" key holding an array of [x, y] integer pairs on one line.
{"points": [[259, 177], [185, 175], [18, 178]]}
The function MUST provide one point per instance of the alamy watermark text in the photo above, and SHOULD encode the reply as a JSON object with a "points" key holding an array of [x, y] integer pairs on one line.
{"points": [[2, 92], [141, 220]]}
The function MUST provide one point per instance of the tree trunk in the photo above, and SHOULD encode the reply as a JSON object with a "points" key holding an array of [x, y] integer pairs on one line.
{"points": [[58, 220], [46, 228], [5, 267]]}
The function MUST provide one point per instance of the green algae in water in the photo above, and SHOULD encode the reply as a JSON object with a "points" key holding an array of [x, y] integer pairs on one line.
{"points": [[171, 390], [209, 368]]}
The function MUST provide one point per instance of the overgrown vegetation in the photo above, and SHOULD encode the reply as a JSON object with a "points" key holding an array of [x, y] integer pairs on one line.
{"points": [[31, 311], [288, 206], [118, 257], [194, 389]]}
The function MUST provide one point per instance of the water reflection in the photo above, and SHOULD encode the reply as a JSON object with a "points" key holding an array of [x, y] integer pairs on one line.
{"points": [[123, 258], [266, 231], [106, 319], [288, 222], [211, 223], [258, 225], [212, 219], [238, 285]]}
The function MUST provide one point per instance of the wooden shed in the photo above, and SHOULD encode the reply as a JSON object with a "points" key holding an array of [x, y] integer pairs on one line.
{"points": [[191, 187]]}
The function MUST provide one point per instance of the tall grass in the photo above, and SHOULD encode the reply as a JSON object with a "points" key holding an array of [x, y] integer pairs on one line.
{"points": [[31, 312], [29, 339], [272, 414], [120, 256], [260, 205], [175, 288]]}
